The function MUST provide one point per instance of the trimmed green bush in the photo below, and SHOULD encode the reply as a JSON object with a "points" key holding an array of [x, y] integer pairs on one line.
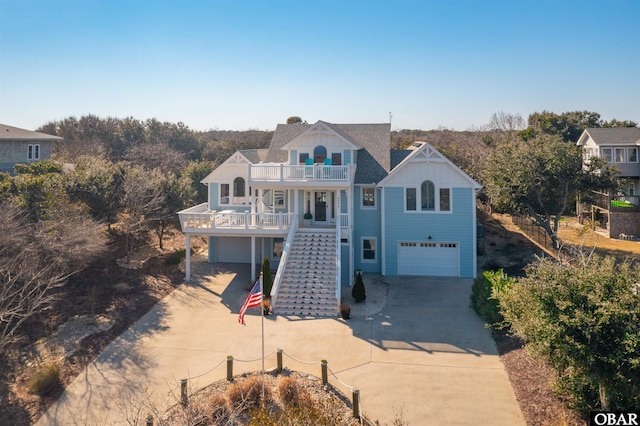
{"points": [[358, 292], [483, 299], [267, 279]]}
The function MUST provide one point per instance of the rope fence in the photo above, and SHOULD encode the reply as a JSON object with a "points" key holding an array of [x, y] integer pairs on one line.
{"points": [[324, 376]]}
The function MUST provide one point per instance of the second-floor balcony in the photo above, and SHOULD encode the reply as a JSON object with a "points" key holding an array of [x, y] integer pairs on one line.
{"points": [[618, 203], [302, 174], [200, 220]]}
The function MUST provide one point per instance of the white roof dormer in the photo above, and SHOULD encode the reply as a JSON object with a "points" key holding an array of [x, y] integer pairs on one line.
{"points": [[321, 133], [236, 165]]}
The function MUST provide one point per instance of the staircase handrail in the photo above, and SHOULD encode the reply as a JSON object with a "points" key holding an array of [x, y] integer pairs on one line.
{"points": [[338, 257], [283, 261]]}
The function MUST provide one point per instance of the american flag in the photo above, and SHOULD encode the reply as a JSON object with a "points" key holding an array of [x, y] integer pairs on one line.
{"points": [[254, 299]]}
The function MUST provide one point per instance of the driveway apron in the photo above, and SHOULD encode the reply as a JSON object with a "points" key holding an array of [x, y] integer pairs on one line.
{"points": [[426, 357]]}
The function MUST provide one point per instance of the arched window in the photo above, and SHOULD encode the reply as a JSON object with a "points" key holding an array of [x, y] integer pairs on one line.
{"points": [[428, 195], [238, 187], [319, 154]]}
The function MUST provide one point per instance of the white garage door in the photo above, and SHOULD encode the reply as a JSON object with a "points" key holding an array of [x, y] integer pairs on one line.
{"points": [[429, 258], [234, 250]]}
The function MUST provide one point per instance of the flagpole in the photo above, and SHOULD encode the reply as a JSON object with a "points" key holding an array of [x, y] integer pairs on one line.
{"points": [[262, 314]]}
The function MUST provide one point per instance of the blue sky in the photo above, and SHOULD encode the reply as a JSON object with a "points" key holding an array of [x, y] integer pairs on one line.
{"points": [[248, 64]]}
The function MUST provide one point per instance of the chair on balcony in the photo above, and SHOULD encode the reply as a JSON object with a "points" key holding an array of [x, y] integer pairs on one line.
{"points": [[308, 169], [326, 170]]}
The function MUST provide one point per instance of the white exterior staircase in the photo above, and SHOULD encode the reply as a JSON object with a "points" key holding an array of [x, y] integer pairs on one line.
{"points": [[308, 286]]}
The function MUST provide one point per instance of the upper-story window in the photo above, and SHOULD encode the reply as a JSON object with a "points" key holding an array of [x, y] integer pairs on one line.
{"points": [[619, 155], [445, 199], [33, 152], [303, 158], [336, 158], [238, 187], [428, 195], [410, 202], [632, 155], [224, 193], [428, 198], [319, 154], [368, 197], [607, 154]]}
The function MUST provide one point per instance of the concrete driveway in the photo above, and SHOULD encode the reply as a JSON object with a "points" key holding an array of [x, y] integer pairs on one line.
{"points": [[425, 355]]}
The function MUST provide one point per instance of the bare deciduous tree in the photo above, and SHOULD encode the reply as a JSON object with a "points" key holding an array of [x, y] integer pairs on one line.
{"points": [[36, 259]]}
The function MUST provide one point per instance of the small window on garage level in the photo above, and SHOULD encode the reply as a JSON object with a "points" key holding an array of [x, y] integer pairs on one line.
{"points": [[278, 247], [369, 245]]}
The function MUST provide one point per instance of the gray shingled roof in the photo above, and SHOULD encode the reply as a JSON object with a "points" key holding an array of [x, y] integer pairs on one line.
{"points": [[397, 155], [10, 133], [615, 135], [374, 159], [255, 156]]}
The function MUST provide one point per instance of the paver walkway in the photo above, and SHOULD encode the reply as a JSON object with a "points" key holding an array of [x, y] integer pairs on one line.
{"points": [[426, 354]]}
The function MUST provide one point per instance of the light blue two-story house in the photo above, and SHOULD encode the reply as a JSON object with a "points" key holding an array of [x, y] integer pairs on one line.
{"points": [[326, 200]]}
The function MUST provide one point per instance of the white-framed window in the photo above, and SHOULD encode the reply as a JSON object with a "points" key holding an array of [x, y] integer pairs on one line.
{"points": [[369, 249], [445, 199], [224, 193], [319, 154], [278, 247], [428, 197], [607, 154], [33, 152], [302, 158], [368, 197], [632, 155], [336, 158], [410, 199], [619, 155]]}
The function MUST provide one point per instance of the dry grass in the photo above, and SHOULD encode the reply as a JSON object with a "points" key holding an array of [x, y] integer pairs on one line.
{"points": [[570, 231]]}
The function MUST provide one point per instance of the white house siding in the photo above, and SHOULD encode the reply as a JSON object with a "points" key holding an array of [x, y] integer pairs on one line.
{"points": [[457, 227], [366, 224]]}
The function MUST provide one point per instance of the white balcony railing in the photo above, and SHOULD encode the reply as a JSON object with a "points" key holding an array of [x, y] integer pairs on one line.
{"points": [[302, 173], [202, 220]]}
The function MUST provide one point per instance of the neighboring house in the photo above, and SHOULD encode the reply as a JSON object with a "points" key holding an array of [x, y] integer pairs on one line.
{"points": [[368, 208], [619, 214], [20, 146]]}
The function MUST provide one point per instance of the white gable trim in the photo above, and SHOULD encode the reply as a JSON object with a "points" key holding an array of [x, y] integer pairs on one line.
{"points": [[425, 153], [319, 128], [584, 137], [235, 159]]}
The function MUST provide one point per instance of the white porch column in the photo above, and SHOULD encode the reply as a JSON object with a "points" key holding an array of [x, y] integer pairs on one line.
{"points": [[187, 263], [253, 258]]}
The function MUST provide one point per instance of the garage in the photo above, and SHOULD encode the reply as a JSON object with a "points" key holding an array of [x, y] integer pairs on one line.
{"points": [[440, 259], [233, 249]]}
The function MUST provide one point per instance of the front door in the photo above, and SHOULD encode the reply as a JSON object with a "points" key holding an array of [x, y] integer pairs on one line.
{"points": [[320, 207]]}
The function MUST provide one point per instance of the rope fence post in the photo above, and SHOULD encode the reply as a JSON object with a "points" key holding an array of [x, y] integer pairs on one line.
{"points": [[279, 358], [149, 420], [355, 396], [183, 392], [229, 367], [325, 377]]}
